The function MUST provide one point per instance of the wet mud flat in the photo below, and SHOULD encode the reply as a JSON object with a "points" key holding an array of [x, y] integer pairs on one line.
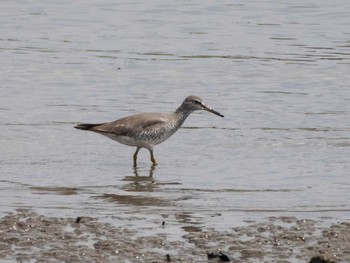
{"points": [[26, 236]]}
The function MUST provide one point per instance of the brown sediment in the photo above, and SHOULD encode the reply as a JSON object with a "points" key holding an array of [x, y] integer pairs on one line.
{"points": [[55, 190], [26, 236], [134, 200]]}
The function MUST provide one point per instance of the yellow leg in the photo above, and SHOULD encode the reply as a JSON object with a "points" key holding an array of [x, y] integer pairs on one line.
{"points": [[135, 156], [152, 157]]}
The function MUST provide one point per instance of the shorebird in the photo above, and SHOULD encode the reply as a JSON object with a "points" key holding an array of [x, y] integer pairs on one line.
{"points": [[145, 130]]}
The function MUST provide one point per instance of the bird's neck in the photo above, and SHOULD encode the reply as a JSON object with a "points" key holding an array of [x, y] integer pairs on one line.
{"points": [[181, 116]]}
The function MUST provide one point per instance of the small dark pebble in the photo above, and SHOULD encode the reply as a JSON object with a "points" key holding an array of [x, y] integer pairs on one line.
{"points": [[212, 255], [320, 260], [78, 220], [168, 258], [224, 258]]}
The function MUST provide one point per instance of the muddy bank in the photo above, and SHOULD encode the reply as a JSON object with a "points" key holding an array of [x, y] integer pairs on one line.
{"points": [[28, 237]]}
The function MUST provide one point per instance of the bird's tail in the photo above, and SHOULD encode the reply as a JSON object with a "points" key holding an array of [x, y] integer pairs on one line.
{"points": [[85, 126]]}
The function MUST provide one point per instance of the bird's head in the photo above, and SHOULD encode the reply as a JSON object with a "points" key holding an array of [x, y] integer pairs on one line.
{"points": [[194, 103]]}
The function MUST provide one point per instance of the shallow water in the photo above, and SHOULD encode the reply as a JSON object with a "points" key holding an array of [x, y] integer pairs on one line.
{"points": [[278, 71]]}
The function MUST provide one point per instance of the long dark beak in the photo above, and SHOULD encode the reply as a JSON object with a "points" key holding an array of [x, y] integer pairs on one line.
{"points": [[205, 107]]}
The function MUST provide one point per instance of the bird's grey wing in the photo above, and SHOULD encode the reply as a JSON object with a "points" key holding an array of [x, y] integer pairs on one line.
{"points": [[111, 127], [131, 125]]}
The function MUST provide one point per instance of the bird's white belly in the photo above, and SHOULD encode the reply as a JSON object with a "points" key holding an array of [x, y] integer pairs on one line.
{"points": [[126, 140]]}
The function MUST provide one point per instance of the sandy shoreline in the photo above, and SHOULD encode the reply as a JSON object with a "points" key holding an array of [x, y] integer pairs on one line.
{"points": [[29, 237]]}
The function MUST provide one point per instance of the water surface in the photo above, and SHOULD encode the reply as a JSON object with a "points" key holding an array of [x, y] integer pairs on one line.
{"points": [[278, 71]]}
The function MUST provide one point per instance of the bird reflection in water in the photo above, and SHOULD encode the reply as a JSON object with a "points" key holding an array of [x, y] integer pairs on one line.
{"points": [[140, 183], [151, 171]]}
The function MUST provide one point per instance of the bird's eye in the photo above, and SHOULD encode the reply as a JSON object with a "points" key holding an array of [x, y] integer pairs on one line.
{"points": [[197, 102]]}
